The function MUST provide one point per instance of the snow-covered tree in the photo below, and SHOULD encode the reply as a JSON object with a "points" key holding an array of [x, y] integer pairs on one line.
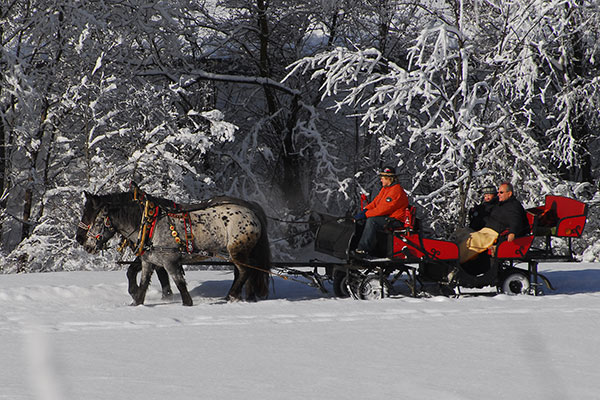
{"points": [[464, 108], [92, 97], [188, 98]]}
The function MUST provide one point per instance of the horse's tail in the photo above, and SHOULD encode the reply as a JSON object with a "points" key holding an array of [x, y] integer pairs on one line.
{"points": [[260, 257]]}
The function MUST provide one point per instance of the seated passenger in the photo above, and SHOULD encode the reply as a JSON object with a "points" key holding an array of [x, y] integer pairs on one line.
{"points": [[508, 214], [391, 202], [478, 213]]}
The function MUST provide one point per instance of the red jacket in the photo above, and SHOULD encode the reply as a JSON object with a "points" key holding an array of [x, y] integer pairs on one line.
{"points": [[391, 201]]}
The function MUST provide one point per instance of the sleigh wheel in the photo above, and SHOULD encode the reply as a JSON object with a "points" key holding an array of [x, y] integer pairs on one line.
{"points": [[372, 288], [340, 284], [515, 283]]}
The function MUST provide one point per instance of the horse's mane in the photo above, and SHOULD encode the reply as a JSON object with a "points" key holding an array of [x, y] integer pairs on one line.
{"points": [[123, 206]]}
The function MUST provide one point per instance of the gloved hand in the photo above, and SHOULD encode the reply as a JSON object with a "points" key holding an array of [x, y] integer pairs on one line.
{"points": [[361, 215]]}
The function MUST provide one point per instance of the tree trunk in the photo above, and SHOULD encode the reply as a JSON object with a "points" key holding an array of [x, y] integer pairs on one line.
{"points": [[578, 68], [27, 206], [3, 165], [291, 183], [28, 202], [3, 172]]}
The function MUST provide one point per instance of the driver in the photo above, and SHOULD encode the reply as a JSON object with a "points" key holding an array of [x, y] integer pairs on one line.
{"points": [[389, 203]]}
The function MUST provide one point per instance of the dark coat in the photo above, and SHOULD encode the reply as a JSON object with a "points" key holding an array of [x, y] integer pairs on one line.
{"points": [[478, 213], [508, 215]]}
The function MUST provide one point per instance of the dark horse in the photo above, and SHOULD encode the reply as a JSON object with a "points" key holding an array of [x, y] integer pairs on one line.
{"points": [[167, 235]]}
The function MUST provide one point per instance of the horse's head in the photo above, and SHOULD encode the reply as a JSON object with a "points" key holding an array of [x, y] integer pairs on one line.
{"points": [[94, 230]]}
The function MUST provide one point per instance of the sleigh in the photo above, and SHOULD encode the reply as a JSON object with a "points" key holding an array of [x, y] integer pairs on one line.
{"points": [[428, 265], [404, 253]]}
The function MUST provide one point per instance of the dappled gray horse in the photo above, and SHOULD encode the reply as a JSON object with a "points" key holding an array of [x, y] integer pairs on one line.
{"points": [[167, 235]]}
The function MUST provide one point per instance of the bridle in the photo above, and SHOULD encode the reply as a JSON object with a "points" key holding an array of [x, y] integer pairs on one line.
{"points": [[106, 229]]}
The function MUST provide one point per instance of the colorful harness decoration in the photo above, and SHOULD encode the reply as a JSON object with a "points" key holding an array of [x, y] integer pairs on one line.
{"points": [[188, 246], [148, 223]]}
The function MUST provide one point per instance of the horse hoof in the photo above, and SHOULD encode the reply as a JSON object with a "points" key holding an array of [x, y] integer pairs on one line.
{"points": [[232, 299], [137, 302]]}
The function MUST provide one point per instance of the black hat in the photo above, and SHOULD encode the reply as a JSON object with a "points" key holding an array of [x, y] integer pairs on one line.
{"points": [[387, 171], [489, 189]]}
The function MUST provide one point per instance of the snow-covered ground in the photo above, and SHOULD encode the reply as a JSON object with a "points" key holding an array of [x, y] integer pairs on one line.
{"points": [[73, 335]]}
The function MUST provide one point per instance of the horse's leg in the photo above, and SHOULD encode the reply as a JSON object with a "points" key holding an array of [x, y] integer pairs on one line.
{"points": [[140, 294], [132, 271], [257, 285], [163, 277], [240, 278], [248, 278], [176, 272], [239, 259], [250, 292], [236, 277], [251, 289]]}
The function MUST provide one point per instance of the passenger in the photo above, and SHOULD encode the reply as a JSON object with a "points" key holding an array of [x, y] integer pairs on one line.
{"points": [[391, 202], [478, 213], [508, 214]]}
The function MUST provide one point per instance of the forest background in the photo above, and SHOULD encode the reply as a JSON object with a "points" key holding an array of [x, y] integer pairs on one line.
{"points": [[293, 104]]}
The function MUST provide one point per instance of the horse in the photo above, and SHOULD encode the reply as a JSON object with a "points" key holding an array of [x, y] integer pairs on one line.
{"points": [[96, 238], [168, 235]]}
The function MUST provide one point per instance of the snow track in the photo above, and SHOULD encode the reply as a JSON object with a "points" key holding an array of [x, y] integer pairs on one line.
{"points": [[74, 334]]}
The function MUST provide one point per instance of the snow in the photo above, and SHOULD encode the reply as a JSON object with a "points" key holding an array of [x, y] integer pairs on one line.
{"points": [[73, 335]]}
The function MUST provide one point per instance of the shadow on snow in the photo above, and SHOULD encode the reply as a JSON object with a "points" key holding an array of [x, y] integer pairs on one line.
{"points": [[565, 282]]}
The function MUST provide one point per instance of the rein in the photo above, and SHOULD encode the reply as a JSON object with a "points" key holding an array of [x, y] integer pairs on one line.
{"points": [[296, 223]]}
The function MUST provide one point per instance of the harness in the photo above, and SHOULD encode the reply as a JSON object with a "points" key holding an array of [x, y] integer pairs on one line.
{"points": [[147, 225], [150, 216], [188, 244]]}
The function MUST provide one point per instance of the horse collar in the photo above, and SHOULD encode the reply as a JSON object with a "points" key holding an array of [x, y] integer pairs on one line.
{"points": [[147, 225]]}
